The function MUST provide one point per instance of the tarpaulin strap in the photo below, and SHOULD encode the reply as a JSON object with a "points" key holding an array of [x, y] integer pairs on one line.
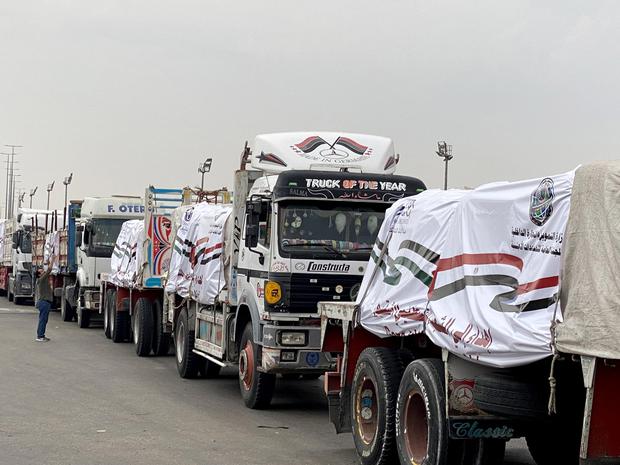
{"points": [[183, 302]]}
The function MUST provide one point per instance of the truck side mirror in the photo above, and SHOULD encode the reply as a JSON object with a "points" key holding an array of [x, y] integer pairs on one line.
{"points": [[254, 208], [78, 238]]}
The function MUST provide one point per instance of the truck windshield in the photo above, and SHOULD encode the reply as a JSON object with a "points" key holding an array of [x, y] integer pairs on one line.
{"points": [[104, 233], [328, 229]]}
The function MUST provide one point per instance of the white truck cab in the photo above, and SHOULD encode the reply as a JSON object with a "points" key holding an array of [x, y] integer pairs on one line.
{"points": [[97, 228]]}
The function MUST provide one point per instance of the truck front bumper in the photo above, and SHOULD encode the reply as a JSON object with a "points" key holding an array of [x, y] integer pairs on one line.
{"points": [[278, 357]]}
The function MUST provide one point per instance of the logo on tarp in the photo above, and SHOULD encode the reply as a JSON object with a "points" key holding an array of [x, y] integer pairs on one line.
{"points": [[541, 202], [189, 213], [342, 150]]}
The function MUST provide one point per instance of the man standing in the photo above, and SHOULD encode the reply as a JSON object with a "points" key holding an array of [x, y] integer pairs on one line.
{"points": [[43, 297]]}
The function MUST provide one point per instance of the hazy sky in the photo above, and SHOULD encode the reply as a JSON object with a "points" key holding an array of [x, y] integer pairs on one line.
{"points": [[131, 93]]}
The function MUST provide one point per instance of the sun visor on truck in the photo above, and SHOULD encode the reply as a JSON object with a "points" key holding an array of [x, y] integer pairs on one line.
{"points": [[275, 153], [345, 186]]}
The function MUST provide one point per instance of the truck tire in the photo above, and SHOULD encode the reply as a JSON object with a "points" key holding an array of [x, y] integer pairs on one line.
{"points": [[10, 296], [18, 300], [66, 311], [373, 402], [188, 363], [107, 313], [118, 323], [549, 445], [503, 393], [161, 340], [83, 317], [421, 426], [256, 387], [143, 325]]}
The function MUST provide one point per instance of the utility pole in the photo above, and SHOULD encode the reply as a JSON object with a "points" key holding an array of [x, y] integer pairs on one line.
{"points": [[11, 180], [32, 192], [444, 151], [66, 182], [49, 190], [204, 168]]}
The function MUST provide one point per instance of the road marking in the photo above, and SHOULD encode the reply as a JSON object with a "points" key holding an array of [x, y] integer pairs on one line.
{"points": [[18, 310]]}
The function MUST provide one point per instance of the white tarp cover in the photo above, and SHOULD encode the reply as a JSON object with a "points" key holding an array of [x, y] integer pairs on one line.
{"points": [[127, 258], [196, 265], [477, 270], [590, 281], [51, 252]]}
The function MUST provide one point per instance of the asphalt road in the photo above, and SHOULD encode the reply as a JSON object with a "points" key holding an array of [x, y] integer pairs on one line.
{"points": [[81, 399]]}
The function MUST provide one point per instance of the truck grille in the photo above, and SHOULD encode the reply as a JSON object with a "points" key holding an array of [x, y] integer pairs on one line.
{"points": [[306, 290]]}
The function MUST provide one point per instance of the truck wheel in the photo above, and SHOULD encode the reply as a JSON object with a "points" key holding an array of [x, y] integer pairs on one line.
{"points": [[161, 340], [188, 363], [66, 311], [549, 445], [373, 401], [143, 327], [421, 426], [256, 387], [118, 322], [83, 317], [18, 300], [10, 296], [109, 296]]}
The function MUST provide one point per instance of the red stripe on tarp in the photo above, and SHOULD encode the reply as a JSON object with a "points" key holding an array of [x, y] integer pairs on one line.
{"points": [[445, 264], [542, 283]]}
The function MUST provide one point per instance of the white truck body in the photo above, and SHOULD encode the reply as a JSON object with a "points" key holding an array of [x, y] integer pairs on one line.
{"points": [[302, 226], [97, 228], [16, 278]]}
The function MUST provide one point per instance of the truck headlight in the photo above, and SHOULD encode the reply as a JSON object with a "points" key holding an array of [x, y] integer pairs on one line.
{"points": [[273, 292], [292, 338]]}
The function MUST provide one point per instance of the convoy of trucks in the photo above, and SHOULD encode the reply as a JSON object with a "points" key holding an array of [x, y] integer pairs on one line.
{"points": [[16, 272], [445, 322]]}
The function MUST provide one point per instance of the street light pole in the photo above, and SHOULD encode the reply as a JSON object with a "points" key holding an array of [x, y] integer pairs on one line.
{"points": [[204, 168], [66, 182], [32, 192], [49, 190], [445, 151]]}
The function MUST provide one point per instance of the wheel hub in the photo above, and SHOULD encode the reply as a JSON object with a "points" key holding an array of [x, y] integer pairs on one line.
{"points": [[246, 366], [416, 427], [366, 410]]}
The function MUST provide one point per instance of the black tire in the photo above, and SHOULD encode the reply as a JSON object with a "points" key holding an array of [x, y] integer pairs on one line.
{"points": [[66, 311], [18, 300], [421, 427], [373, 405], [189, 364], [107, 314], [549, 445], [10, 297], [83, 317], [143, 327], [118, 323], [161, 340], [256, 387], [506, 394]]}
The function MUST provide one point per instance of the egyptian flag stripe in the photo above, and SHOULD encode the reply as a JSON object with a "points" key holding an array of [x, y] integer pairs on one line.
{"points": [[445, 264], [310, 144], [351, 145]]}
